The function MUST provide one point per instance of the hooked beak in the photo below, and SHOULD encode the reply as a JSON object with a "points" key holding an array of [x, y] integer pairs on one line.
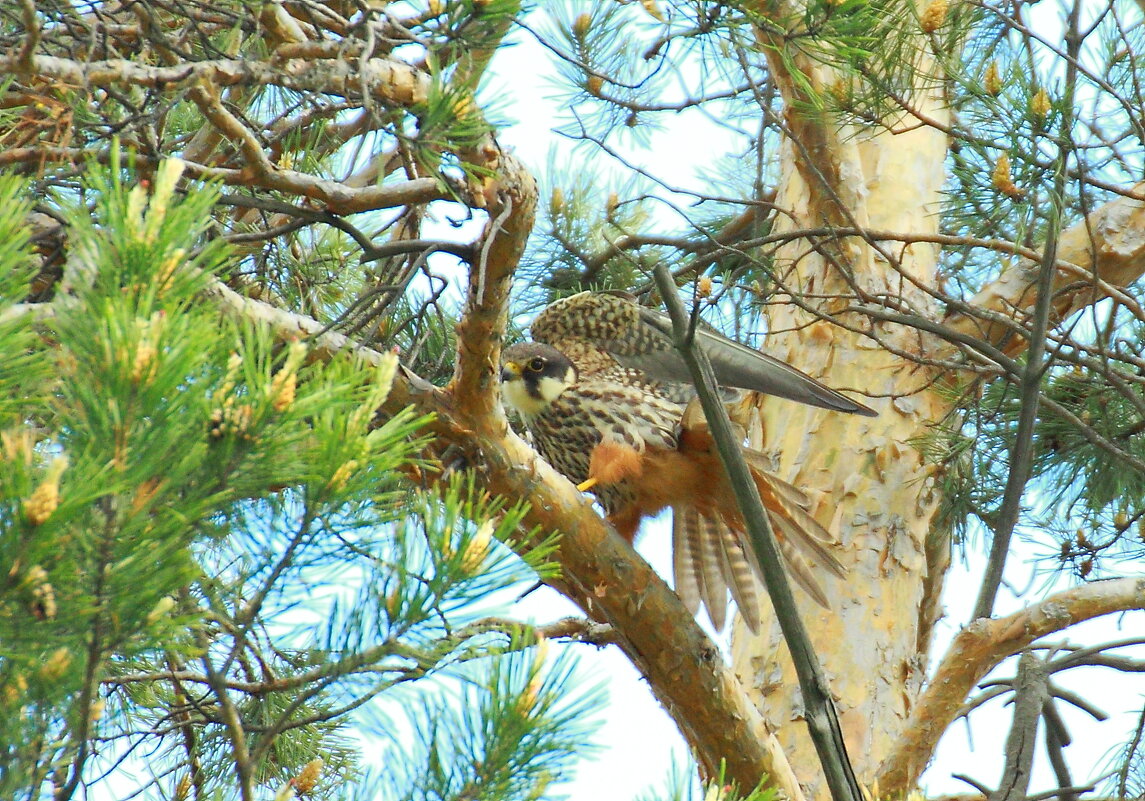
{"points": [[510, 371]]}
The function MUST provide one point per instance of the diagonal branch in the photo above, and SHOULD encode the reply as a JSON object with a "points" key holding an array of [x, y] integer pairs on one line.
{"points": [[822, 719], [1106, 249]]}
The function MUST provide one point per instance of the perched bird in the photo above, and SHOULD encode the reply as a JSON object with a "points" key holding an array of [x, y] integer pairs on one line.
{"points": [[610, 404]]}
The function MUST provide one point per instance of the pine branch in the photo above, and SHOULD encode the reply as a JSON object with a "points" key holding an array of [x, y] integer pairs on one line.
{"points": [[976, 650]]}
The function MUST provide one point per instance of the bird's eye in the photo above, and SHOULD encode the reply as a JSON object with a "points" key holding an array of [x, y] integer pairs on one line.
{"points": [[536, 365]]}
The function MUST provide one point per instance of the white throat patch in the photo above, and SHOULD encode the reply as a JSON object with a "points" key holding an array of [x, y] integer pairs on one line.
{"points": [[518, 397]]}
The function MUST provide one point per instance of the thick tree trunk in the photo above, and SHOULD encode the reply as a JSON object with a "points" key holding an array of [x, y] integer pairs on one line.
{"points": [[872, 488]]}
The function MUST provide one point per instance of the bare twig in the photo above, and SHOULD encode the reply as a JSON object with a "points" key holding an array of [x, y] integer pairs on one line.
{"points": [[822, 719], [1022, 451], [1030, 695]]}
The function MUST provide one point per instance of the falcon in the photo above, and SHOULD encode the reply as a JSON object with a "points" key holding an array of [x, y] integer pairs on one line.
{"points": [[609, 403]]}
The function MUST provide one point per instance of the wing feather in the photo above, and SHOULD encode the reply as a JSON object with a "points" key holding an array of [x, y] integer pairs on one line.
{"points": [[597, 323]]}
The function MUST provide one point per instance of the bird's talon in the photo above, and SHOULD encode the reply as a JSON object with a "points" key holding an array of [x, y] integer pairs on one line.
{"points": [[587, 484]]}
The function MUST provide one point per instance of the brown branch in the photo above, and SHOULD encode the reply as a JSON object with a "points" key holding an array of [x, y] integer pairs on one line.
{"points": [[1031, 694], [1107, 250], [976, 650], [511, 202], [32, 26], [335, 197], [388, 80]]}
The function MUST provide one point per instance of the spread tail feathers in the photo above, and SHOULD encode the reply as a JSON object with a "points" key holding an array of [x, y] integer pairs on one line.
{"points": [[711, 554], [708, 559]]}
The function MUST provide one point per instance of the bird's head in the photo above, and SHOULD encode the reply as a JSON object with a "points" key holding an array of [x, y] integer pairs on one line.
{"points": [[534, 375]]}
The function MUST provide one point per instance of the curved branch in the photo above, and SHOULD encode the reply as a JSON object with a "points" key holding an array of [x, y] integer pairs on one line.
{"points": [[976, 650]]}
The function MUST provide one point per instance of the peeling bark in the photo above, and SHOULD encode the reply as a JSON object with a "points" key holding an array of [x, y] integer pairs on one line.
{"points": [[873, 487]]}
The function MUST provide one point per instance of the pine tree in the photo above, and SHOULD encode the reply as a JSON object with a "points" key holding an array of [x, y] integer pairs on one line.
{"points": [[241, 545]]}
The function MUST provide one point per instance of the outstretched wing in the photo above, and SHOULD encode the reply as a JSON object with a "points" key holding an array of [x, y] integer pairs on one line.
{"points": [[596, 323]]}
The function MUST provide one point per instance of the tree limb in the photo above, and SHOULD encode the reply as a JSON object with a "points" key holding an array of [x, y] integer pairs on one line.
{"points": [[976, 650], [1108, 246]]}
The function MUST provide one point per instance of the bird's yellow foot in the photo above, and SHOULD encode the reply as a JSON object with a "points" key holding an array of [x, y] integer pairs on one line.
{"points": [[587, 484]]}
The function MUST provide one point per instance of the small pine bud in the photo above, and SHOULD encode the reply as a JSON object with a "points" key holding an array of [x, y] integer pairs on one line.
{"points": [[160, 610], [594, 85], [142, 367], [581, 25], [1040, 104], [933, 16], [1121, 521], [17, 445], [43, 601], [463, 106], [1067, 549], [1082, 540], [653, 10], [542, 653], [15, 688], [166, 179], [56, 665], [1085, 568], [992, 82], [307, 778], [282, 388], [1086, 416], [557, 200], [96, 711], [477, 548], [231, 420], [393, 602], [46, 497], [342, 475], [234, 364], [169, 266], [612, 204], [183, 788], [704, 286], [1002, 180], [528, 699], [841, 91]]}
